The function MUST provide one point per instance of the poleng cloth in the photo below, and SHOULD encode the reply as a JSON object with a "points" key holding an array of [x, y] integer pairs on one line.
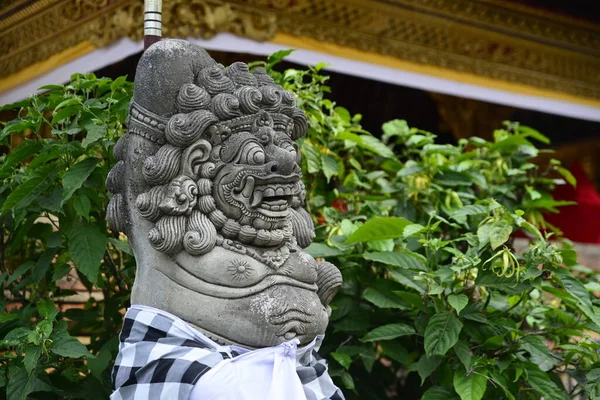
{"points": [[162, 357]]}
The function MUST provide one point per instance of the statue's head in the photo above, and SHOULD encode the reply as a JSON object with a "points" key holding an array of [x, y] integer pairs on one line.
{"points": [[208, 189]]}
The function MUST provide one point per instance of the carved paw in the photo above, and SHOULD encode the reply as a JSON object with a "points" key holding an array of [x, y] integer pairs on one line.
{"points": [[329, 281]]}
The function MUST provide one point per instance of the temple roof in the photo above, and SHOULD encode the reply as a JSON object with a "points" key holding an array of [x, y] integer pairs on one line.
{"points": [[504, 42]]}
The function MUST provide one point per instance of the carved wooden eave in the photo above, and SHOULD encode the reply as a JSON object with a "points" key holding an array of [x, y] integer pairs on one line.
{"points": [[494, 39]]}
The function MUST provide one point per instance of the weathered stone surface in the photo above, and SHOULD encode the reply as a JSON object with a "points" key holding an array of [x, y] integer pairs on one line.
{"points": [[208, 189]]}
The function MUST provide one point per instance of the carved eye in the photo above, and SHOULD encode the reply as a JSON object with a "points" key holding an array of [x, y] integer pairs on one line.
{"points": [[252, 154]]}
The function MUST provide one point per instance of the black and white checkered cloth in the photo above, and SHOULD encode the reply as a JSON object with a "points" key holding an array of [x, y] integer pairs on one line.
{"points": [[161, 357]]}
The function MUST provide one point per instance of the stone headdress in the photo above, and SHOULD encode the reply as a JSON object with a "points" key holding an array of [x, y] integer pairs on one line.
{"points": [[195, 118]]}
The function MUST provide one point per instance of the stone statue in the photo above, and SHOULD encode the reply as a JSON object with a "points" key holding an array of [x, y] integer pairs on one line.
{"points": [[208, 190]]}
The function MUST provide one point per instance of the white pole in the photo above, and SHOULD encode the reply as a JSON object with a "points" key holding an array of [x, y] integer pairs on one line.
{"points": [[152, 22]]}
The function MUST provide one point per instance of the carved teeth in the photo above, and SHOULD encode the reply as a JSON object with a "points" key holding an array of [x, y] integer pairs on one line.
{"points": [[248, 188], [280, 191], [257, 198], [269, 192], [288, 190]]}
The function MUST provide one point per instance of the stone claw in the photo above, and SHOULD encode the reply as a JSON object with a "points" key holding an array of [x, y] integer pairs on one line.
{"points": [[329, 281]]}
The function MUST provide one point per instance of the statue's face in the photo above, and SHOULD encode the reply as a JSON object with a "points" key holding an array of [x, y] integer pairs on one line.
{"points": [[258, 177], [224, 207]]}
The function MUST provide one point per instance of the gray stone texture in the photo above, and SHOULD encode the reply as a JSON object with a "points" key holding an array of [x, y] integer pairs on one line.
{"points": [[208, 189]]}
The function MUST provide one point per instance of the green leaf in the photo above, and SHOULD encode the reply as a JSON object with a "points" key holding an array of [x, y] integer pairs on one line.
{"points": [[529, 227], [8, 317], [47, 309], [412, 230], [76, 176], [20, 384], [103, 358], [52, 87], [121, 245], [342, 358], [19, 125], [493, 342], [343, 113], [540, 354], [67, 102], [592, 286], [483, 235], [16, 105], [94, 132], [470, 386], [87, 245], [396, 127], [592, 386], [463, 353], [407, 278], [368, 356], [330, 166], [117, 83], [347, 380], [578, 291], [511, 143], [82, 206], [367, 142], [441, 333], [444, 149], [312, 157], [60, 271], [439, 393], [458, 302], [279, 55], [21, 153], [384, 299], [460, 214], [67, 346], [43, 264], [65, 113], [403, 259], [574, 287], [427, 365], [321, 250], [542, 383], [395, 351], [569, 257], [567, 175], [20, 271], [380, 228], [30, 189], [499, 234], [388, 332], [32, 355], [410, 169], [530, 132]]}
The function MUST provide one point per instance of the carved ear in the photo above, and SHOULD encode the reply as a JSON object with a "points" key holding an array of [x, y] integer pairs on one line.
{"points": [[193, 158]]}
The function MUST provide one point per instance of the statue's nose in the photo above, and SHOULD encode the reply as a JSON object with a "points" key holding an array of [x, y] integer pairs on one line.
{"points": [[281, 162]]}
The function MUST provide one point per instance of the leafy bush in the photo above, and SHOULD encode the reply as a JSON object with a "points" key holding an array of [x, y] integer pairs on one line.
{"points": [[436, 303], [53, 203]]}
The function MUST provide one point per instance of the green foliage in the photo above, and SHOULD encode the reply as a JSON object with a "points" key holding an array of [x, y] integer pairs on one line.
{"points": [[423, 234], [53, 205], [436, 304]]}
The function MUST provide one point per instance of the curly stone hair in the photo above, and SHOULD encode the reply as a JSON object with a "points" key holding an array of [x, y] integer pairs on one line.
{"points": [[221, 101]]}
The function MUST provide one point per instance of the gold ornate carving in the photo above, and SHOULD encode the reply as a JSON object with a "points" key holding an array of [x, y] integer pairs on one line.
{"points": [[64, 23], [490, 38]]}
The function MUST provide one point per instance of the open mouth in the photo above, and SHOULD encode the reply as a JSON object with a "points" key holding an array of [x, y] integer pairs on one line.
{"points": [[270, 196]]}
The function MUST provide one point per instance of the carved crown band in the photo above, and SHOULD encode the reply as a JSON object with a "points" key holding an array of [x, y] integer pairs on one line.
{"points": [[147, 124], [151, 126]]}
